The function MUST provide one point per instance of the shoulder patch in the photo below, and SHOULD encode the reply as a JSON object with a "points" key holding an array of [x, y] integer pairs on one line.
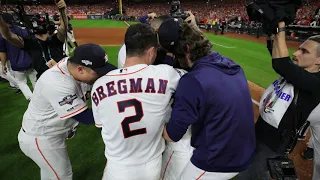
{"points": [[68, 100]]}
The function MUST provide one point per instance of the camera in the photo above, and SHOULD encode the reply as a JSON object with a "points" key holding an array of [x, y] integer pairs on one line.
{"points": [[271, 12], [282, 168], [176, 11], [39, 24]]}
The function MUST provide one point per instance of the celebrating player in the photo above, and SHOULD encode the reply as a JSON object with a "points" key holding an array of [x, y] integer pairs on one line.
{"points": [[214, 98], [131, 104], [57, 106]]}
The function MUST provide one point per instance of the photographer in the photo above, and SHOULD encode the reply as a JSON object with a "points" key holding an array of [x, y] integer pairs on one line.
{"points": [[44, 50], [286, 106]]}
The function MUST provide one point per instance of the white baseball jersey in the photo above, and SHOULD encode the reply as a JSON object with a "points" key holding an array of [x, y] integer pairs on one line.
{"points": [[56, 98], [122, 56], [131, 105]]}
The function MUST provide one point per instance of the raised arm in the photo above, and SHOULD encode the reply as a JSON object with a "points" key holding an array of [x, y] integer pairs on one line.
{"points": [[280, 48], [63, 27], [294, 74], [9, 36]]}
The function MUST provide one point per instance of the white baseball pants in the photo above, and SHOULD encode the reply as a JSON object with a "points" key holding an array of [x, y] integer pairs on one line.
{"points": [[146, 171], [173, 163], [9, 75], [49, 153], [21, 80], [191, 172]]}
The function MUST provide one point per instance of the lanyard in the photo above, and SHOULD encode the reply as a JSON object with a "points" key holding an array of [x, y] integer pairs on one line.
{"points": [[42, 51]]}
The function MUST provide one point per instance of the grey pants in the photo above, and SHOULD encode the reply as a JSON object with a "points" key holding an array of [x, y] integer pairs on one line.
{"points": [[258, 169]]}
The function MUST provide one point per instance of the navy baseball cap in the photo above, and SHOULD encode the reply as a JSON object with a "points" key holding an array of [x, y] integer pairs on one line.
{"points": [[168, 33], [94, 57]]}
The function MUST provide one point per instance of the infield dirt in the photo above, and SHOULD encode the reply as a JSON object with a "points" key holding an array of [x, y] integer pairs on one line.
{"points": [[115, 37]]}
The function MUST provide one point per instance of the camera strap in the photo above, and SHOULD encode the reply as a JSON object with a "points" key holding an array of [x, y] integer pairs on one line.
{"points": [[296, 129], [42, 51]]}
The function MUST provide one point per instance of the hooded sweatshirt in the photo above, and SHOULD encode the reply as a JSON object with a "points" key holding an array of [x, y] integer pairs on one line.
{"points": [[214, 98]]}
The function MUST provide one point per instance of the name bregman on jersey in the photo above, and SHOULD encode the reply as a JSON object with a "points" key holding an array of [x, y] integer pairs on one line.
{"points": [[132, 86]]}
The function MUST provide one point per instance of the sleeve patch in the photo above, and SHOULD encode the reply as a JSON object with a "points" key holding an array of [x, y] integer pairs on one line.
{"points": [[68, 100]]}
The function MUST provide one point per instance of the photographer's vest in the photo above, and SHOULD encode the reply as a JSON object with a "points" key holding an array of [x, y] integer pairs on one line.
{"points": [[276, 100]]}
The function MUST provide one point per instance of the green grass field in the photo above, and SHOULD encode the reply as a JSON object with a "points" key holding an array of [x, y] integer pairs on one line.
{"points": [[86, 150]]}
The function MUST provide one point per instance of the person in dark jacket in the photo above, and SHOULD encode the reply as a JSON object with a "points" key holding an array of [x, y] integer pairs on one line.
{"points": [[277, 135], [44, 49], [214, 98], [20, 61]]}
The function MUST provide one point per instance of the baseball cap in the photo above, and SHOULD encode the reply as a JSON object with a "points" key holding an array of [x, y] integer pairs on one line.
{"points": [[94, 57], [8, 18], [168, 33]]}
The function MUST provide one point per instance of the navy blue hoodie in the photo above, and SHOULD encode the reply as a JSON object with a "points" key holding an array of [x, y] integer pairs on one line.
{"points": [[214, 98]]}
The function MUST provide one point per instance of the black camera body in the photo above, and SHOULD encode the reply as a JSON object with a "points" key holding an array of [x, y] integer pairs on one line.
{"points": [[39, 24], [35, 24], [176, 11], [282, 168], [271, 12]]}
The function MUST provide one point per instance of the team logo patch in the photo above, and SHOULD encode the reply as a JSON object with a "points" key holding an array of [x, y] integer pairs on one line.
{"points": [[86, 62], [68, 100], [106, 58]]}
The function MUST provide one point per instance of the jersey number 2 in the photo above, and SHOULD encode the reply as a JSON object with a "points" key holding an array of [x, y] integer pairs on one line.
{"points": [[125, 124]]}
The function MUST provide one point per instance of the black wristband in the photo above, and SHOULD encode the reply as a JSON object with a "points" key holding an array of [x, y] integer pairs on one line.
{"points": [[281, 29]]}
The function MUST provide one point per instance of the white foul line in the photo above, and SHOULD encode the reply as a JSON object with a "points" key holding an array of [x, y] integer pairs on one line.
{"points": [[228, 47], [255, 102], [126, 23]]}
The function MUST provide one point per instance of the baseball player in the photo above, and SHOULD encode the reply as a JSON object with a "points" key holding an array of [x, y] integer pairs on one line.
{"points": [[131, 105], [56, 108], [196, 101], [162, 57]]}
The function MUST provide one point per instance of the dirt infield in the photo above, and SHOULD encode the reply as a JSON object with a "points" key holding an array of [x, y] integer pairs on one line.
{"points": [[102, 36], [115, 36]]}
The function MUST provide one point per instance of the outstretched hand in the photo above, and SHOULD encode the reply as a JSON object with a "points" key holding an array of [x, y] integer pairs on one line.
{"points": [[61, 4]]}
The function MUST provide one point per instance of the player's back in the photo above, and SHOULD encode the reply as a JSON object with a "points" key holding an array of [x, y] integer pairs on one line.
{"points": [[130, 104]]}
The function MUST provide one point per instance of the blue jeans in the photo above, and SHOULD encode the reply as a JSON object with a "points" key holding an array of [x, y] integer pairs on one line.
{"points": [[258, 168]]}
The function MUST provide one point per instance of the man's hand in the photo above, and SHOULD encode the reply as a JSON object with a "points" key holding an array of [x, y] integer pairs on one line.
{"points": [[4, 69], [165, 135], [191, 20], [152, 16], [61, 4]]}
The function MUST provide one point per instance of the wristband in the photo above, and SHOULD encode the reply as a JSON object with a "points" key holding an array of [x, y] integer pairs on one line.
{"points": [[281, 29]]}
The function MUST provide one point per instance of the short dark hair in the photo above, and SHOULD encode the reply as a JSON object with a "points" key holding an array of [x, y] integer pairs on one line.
{"points": [[316, 38], [139, 38], [199, 45]]}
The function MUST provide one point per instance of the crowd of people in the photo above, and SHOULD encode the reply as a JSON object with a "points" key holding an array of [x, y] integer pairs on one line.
{"points": [[151, 120], [207, 12]]}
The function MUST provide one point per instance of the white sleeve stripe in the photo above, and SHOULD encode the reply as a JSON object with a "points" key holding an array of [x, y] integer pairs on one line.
{"points": [[75, 112]]}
